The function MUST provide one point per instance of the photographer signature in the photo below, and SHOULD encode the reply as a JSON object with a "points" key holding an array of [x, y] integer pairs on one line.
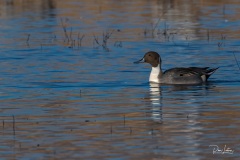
{"points": [[226, 150]]}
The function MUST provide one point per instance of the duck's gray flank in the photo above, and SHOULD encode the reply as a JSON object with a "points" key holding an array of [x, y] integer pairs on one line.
{"points": [[191, 75]]}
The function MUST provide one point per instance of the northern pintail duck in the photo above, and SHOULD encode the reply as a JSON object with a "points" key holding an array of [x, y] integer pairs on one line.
{"points": [[191, 75]]}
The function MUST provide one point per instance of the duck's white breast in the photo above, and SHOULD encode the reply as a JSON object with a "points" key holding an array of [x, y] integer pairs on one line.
{"points": [[154, 75]]}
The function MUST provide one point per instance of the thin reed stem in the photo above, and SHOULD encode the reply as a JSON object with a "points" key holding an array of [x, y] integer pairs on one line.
{"points": [[236, 60]]}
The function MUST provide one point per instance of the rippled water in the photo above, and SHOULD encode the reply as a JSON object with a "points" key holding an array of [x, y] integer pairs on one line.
{"points": [[65, 96]]}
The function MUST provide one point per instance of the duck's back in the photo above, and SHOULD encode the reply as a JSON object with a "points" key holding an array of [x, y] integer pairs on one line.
{"points": [[190, 75]]}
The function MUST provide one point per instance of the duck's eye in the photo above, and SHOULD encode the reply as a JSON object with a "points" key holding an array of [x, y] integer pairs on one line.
{"points": [[149, 55]]}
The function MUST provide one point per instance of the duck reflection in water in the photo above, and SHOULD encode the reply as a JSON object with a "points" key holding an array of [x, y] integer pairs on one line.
{"points": [[156, 98], [156, 102]]}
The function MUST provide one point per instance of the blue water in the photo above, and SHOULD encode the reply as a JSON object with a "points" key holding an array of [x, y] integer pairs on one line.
{"points": [[69, 99]]}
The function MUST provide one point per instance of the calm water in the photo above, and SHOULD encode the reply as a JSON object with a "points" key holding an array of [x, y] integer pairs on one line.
{"points": [[67, 94]]}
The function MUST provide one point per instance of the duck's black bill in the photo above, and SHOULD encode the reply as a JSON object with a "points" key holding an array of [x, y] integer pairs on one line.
{"points": [[140, 61]]}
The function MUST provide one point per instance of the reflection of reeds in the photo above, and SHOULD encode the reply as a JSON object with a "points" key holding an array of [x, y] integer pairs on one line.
{"points": [[65, 30], [145, 32], [165, 33], [13, 124], [220, 44], [105, 38], [70, 35], [208, 35], [71, 42], [236, 60], [118, 44], [27, 41], [111, 130], [223, 9], [154, 30], [223, 37], [80, 40], [96, 40], [154, 27]]}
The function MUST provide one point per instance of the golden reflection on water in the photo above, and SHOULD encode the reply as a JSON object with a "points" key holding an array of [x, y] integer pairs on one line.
{"points": [[183, 19], [129, 121], [61, 133]]}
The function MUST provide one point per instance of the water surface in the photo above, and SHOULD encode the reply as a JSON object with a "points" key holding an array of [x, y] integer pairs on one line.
{"points": [[67, 94]]}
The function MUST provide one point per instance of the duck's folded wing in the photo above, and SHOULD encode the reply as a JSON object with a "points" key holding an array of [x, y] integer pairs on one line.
{"points": [[204, 71], [191, 72], [184, 72]]}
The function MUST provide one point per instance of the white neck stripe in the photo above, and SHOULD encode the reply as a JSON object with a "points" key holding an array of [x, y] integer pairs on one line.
{"points": [[154, 75]]}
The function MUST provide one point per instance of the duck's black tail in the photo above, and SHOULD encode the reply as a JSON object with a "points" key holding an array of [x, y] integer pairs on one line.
{"points": [[210, 71]]}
